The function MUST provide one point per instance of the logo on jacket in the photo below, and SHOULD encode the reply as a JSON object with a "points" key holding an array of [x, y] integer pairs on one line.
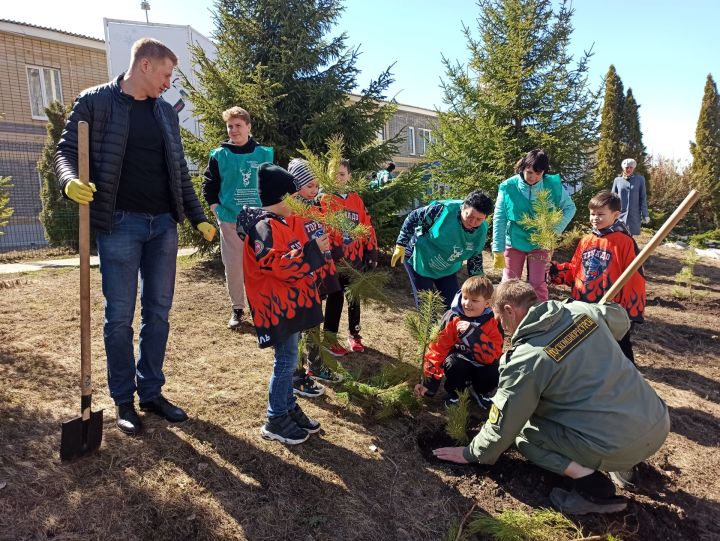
{"points": [[595, 262], [457, 252], [246, 177]]}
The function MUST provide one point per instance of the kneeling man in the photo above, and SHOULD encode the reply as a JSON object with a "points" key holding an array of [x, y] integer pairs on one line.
{"points": [[569, 399]]}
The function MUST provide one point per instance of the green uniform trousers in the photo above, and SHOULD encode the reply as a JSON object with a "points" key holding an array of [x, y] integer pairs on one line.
{"points": [[553, 447]]}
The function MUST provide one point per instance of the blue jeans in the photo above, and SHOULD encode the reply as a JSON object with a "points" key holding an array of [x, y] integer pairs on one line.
{"points": [[281, 397], [447, 285], [147, 244]]}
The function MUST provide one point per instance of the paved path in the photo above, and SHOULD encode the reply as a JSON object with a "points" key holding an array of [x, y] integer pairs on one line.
{"points": [[9, 268]]}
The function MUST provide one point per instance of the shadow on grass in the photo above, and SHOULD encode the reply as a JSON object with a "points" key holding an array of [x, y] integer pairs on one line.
{"points": [[687, 380]]}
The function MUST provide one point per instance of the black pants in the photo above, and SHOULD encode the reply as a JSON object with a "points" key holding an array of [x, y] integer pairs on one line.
{"points": [[447, 285], [626, 345], [334, 306], [459, 373]]}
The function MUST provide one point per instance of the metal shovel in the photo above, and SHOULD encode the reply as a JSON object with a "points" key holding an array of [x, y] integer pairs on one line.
{"points": [[83, 435]]}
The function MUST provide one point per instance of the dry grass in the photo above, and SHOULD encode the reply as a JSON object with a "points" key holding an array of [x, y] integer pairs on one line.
{"points": [[214, 477]]}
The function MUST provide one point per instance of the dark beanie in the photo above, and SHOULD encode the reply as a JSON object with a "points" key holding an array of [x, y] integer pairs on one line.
{"points": [[274, 183]]}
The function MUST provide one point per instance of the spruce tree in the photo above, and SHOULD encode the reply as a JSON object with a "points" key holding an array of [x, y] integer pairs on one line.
{"points": [[59, 216], [633, 146], [705, 170], [276, 59], [612, 133], [520, 90]]}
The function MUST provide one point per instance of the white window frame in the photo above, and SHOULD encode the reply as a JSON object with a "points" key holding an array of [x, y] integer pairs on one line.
{"points": [[425, 138], [380, 134], [411, 140], [55, 91]]}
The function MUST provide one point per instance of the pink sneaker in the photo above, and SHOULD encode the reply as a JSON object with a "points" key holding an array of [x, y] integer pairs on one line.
{"points": [[355, 343], [337, 350]]}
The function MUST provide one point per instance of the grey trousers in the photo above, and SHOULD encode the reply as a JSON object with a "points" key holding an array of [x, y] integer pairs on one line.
{"points": [[231, 250], [553, 447]]}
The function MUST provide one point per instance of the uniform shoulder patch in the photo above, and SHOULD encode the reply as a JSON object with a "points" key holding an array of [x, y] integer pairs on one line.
{"points": [[494, 415], [570, 338]]}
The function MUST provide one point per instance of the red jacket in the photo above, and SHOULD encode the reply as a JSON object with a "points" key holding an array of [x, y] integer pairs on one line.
{"points": [[360, 253], [599, 260], [480, 344], [306, 230], [279, 281]]}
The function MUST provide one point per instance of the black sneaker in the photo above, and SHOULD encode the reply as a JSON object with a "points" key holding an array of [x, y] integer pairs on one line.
{"points": [[127, 419], [574, 503], [164, 408], [236, 318], [306, 386], [483, 401], [627, 480], [303, 421], [324, 374], [284, 429], [450, 402]]}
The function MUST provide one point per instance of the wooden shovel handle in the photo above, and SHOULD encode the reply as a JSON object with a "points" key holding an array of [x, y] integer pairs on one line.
{"points": [[649, 248], [84, 241]]}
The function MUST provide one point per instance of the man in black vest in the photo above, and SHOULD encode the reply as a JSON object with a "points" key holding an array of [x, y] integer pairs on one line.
{"points": [[139, 192]]}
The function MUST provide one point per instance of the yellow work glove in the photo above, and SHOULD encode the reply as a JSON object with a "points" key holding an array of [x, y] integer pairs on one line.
{"points": [[79, 192], [397, 255], [498, 261], [207, 230]]}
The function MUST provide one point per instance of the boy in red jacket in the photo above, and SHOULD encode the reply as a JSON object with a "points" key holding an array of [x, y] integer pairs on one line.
{"points": [[326, 277], [282, 294], [361, 254], [467, 348], [600, 259]]}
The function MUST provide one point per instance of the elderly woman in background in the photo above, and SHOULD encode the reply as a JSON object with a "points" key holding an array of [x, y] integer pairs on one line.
{"points": [[633, 197]]}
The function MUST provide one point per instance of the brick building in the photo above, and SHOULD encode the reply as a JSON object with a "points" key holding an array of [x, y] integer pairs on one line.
{"points": [[37, 65], [415, 126]]}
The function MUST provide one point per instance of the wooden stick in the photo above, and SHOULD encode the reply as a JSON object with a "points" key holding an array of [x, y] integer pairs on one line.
{"points": [[84, 249], [663, 232]]}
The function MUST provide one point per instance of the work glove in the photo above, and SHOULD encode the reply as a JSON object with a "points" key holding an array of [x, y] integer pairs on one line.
{"points": [[79, 192], [646, 220], [498, 261], [398, 254], [207, 230]]}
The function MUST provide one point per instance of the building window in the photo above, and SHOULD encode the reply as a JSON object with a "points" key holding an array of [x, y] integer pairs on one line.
{"points": [[380, 134], [411, 140], [425, 140], [44, 84]]}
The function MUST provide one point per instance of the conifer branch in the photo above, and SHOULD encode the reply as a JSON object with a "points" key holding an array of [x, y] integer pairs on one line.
{"points": [[457, 418], [424, 323], [365, 286], [543, 222]]}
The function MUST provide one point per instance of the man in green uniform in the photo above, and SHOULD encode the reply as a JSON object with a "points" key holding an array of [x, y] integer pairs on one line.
{"points": [[569, 399]]}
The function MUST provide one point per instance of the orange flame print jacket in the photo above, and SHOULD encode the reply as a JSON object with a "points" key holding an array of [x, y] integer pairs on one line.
{"points": [[360, 253], [279, 280], [481, 343], [599, 260]]}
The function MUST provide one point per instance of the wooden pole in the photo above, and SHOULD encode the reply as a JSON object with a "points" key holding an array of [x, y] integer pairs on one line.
{"points": [[84, 241], [663, 232]]}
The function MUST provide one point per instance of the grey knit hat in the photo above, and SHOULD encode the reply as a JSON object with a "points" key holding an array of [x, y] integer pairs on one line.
{"points": [[300, 170]]}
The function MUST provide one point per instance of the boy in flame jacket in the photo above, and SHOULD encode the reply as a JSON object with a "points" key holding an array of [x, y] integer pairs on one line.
{"points": [[467, 348]]}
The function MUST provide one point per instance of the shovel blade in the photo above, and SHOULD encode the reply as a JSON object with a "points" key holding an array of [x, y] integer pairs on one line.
{"points": [[79, 438]]}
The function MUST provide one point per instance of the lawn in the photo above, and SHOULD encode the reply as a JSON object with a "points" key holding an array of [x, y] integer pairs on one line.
{"points": [[214, 477]]}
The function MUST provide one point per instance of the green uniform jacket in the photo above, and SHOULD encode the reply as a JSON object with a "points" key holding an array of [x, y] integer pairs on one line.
{"points": [[565, 365]]}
